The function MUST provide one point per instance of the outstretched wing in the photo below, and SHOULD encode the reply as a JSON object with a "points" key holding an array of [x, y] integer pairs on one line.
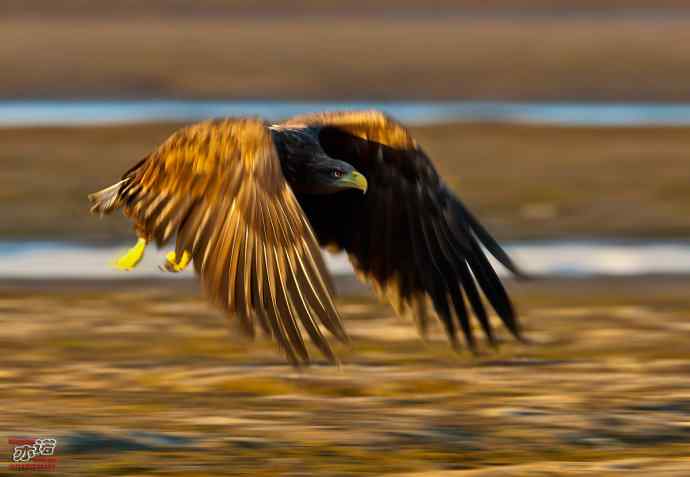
{"points": [[219, 189], [409, 235]]}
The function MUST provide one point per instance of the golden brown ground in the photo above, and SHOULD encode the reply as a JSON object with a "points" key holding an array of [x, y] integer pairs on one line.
{"points": [[144, 379], [523, 181], [128, 49]]}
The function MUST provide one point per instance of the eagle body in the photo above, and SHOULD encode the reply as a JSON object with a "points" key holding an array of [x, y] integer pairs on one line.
{"points": [[251, 204]]}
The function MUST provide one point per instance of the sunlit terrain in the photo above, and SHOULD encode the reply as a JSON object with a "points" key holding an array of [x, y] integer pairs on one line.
{"points": [[144, 378]]}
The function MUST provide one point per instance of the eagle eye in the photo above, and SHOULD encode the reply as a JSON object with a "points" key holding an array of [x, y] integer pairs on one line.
{"points": [[336, 173]]}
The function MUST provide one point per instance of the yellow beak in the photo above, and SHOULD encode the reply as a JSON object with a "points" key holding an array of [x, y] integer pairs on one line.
{"points": [[354, 180]]}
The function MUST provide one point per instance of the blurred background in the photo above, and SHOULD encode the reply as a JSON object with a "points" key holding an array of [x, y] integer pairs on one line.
{"points": [[564, 125]]}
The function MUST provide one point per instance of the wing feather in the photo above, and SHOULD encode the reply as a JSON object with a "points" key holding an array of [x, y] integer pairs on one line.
{"points": [[410, 236], [218, 189]]}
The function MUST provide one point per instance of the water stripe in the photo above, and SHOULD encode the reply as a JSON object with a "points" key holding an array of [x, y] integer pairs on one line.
{"points": [[89, 112], [41, 260]]}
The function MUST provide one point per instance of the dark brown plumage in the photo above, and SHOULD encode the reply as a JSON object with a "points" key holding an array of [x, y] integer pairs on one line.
{"points": [[251, 203]]}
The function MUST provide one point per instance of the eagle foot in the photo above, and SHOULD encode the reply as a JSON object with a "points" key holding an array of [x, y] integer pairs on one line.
{"points": [[172, 265], [131, 259]]}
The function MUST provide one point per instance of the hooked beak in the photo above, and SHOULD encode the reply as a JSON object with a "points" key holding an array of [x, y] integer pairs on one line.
{"points": [[353, 180]]}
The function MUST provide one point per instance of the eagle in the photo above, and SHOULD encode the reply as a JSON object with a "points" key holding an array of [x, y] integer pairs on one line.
{"points": [[251, 204]]}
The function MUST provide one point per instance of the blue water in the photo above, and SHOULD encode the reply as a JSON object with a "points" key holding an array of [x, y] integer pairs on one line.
{"points": [[558, 258], [33, 113]]}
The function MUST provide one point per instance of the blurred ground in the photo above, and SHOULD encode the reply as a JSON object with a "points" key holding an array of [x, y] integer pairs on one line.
{"points": [[523, 181], [144, 379], [525, 50]]}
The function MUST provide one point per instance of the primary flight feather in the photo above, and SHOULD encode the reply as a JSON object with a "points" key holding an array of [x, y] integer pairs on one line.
{"points": [[249, 204]]}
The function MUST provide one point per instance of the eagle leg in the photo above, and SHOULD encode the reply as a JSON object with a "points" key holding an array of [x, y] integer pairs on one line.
{"points": [[172, 265], [131, 259]]}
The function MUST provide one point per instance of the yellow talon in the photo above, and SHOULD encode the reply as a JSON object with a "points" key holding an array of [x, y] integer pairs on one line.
{"points": [[172, 265], [132, 258]]}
